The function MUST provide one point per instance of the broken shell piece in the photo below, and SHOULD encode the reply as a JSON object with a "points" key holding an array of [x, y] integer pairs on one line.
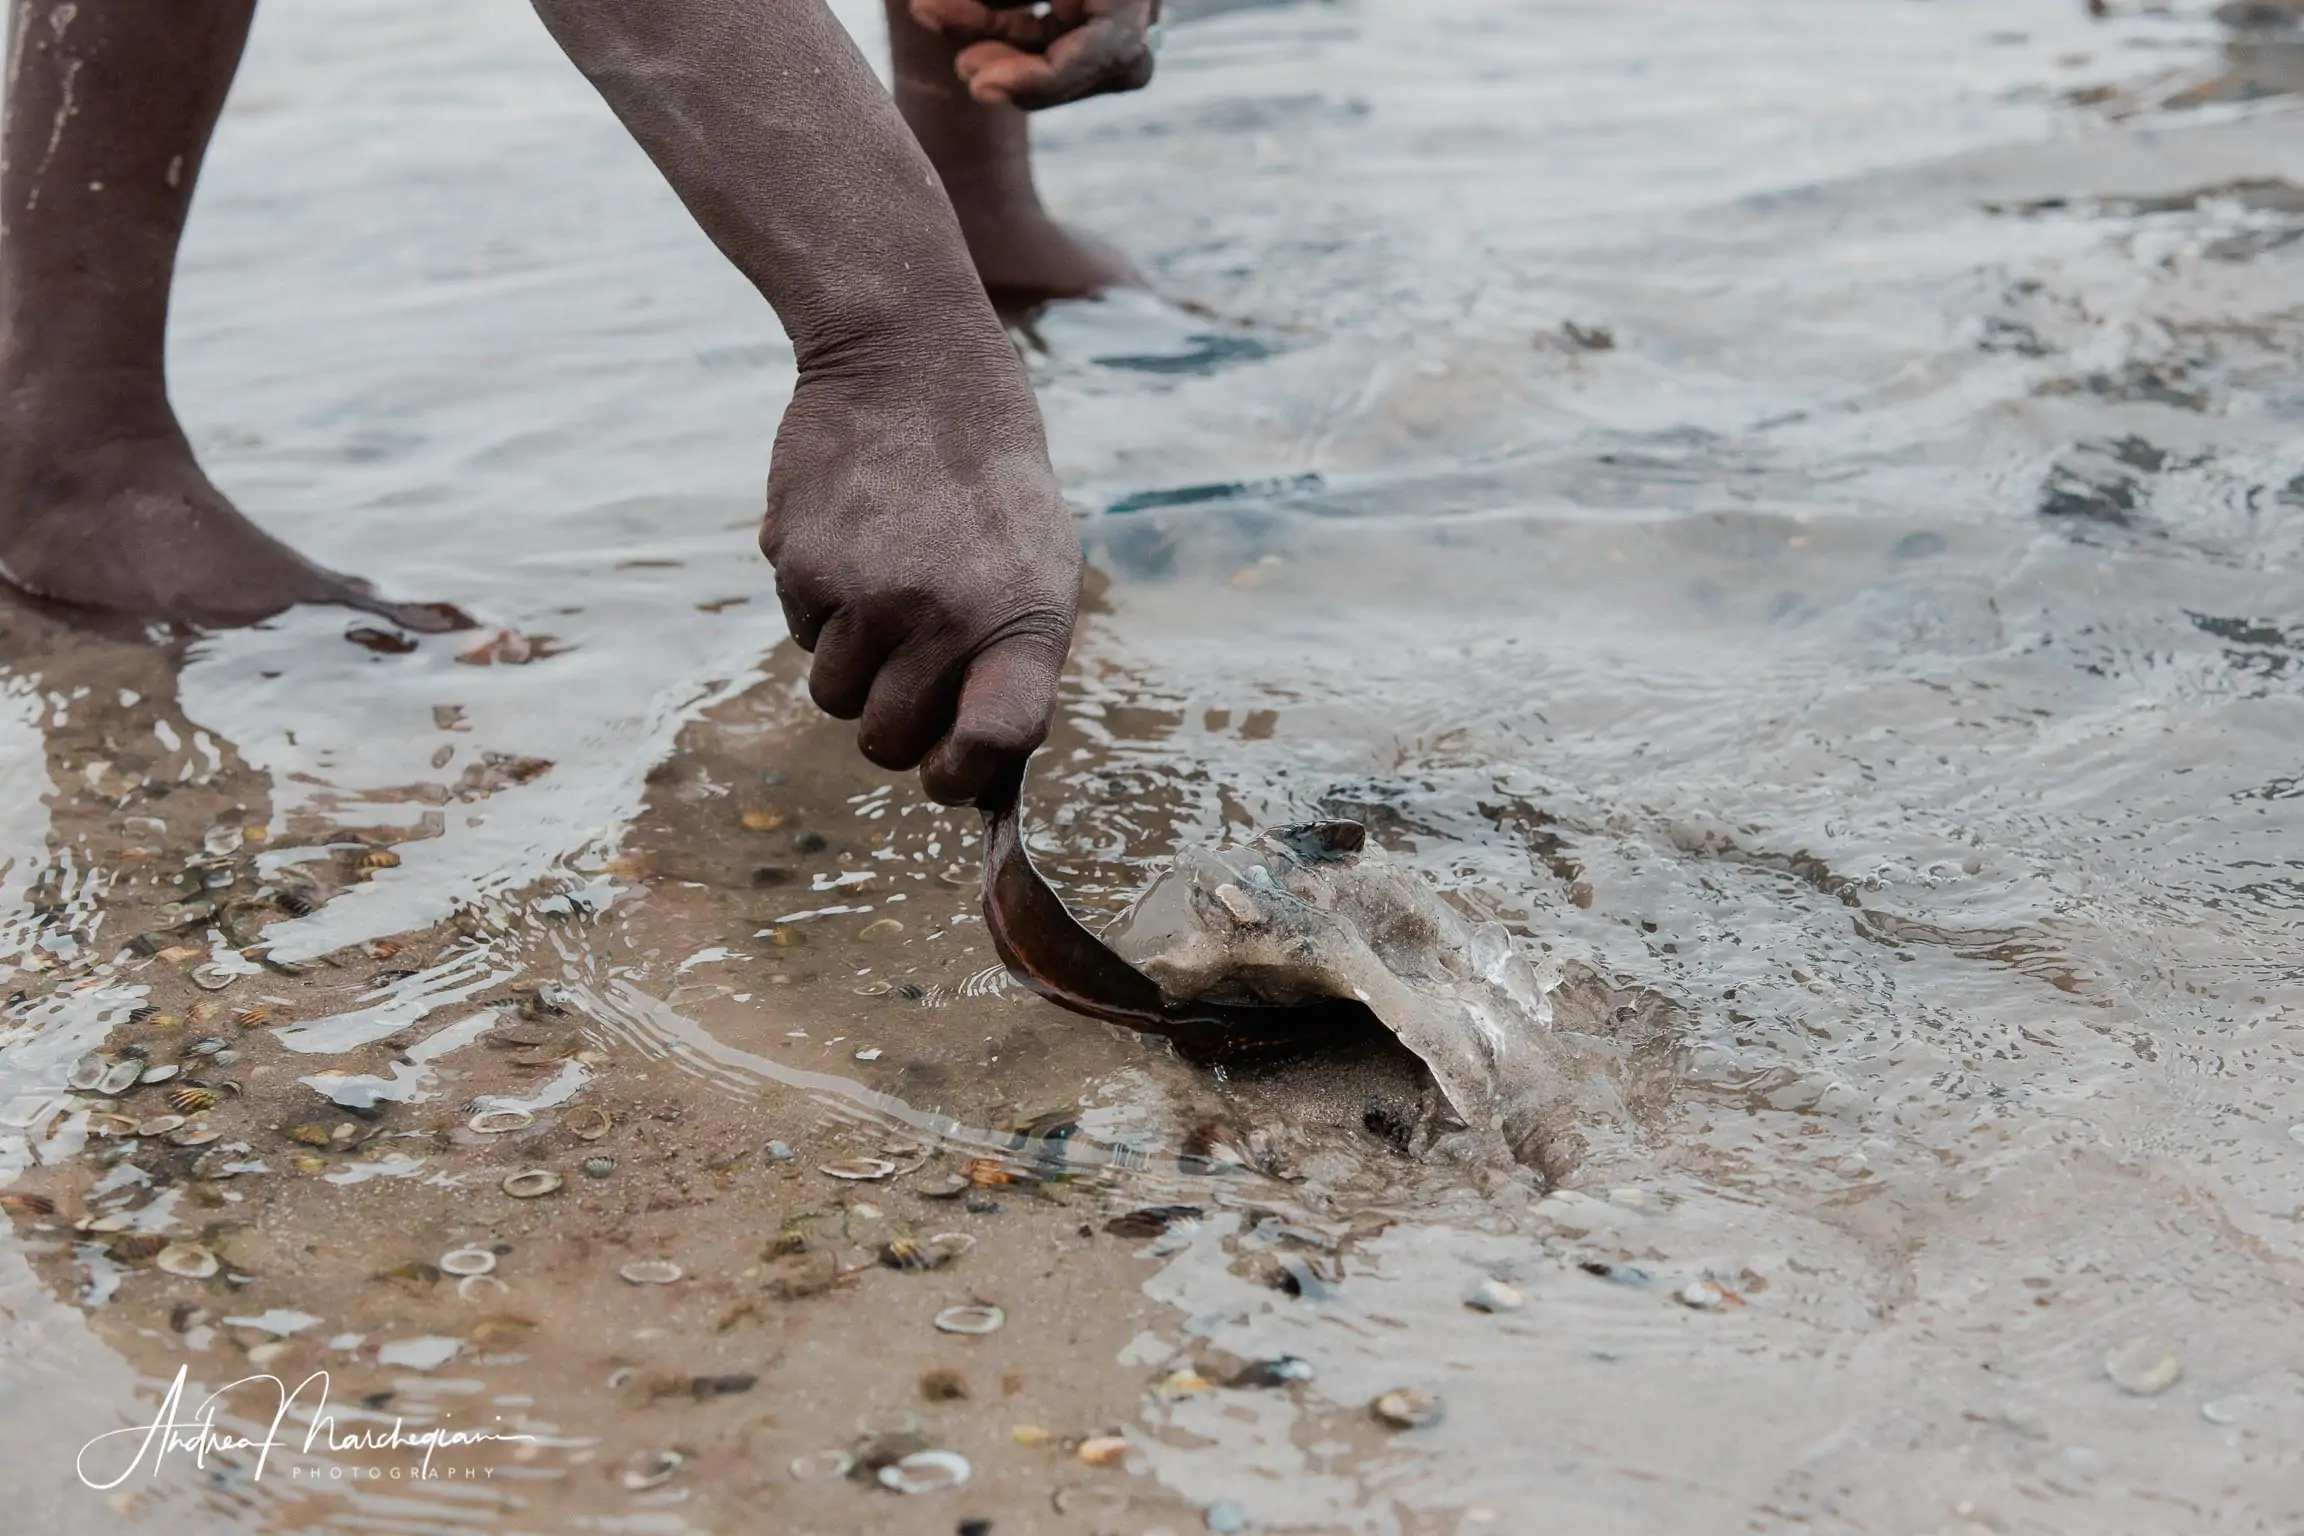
{"points": [[469, 1288], [467, 1261], [37, 1205], [888, 928], [822, 1466], [1239, 905], [1407, 1408], [976, 1318], [652, 1272], [1103, 1450], [532, 1182], [589, 1124], [161, 1125], [859, 1169], [926, 1472], [213, 978], [194, 1136], [495, 1122], [188, 1261], [651, 1469]]}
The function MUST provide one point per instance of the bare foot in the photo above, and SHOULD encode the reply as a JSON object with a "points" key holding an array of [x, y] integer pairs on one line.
{"points": [[127, 523]]}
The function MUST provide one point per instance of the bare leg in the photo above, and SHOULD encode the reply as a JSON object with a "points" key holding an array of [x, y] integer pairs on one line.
{"points": [[984, 155], [108, 111]]}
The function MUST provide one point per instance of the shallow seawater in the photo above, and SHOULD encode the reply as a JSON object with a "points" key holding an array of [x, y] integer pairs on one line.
{"points": [[1791, 508]]}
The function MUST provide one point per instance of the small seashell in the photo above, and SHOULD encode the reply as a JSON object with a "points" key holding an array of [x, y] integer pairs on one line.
{"points": [[192, 1098], [651, 1469], [926, 1472], [933, 1253], [495, 1122], [1278, 1371], [379, 858], [881, 928], [1103, 1450], [469, 1288], [653, 1272], [254, 1016], [111, 1125], [2144, 1367], [589, 1124], [779, 1152], [194, 1136], [532, 1182], [159, 1074], [161, 1125], [188, 1261], [467, 1261], [950, 1187], [761, 821], [37, 1205], [599, 1167], [859, 1169], [121, 1076], [87, 1073], [207, 1045], [822, 1466], [1495, 1296], [976, 1318], [213, 978], [1407, 1408], [310, 1134]]}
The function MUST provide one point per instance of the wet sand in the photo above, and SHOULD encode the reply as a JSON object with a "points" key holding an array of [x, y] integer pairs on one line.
{"points": [[1791, 508]]}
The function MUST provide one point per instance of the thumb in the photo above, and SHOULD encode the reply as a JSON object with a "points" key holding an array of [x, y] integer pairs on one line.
{"points": [[1006, 700]]}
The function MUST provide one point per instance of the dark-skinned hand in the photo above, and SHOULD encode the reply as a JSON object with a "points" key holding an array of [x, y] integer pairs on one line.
{"points": [[1075, 48], [925, 557]]}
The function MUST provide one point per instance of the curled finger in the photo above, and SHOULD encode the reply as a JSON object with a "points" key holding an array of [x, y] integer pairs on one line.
{"points": [[913, 702], [1005, 703], [1109, 54], [848, 657]]}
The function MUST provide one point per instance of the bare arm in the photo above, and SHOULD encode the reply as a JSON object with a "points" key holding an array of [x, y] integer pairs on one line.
{"points": [[921, 548]]}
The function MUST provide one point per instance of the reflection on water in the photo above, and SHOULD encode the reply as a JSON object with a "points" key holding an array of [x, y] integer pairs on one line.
{"points": [[1792, 509]]}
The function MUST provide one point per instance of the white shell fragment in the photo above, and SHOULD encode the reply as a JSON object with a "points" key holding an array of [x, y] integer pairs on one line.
{"points": [[189, 1261], [466, 1261], [859, 1169], [926, 1472], [1702, 1295], [651, 1469], [532, 1182], [652, 1272], [822, 1466], [977, 1318], [495, 1122]]}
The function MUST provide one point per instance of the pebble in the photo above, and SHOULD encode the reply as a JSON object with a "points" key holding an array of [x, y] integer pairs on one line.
{"points": [[1225, 1518], [2144, 1367], [1407, 1408], [779, 1152], [1495, 1296]]}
